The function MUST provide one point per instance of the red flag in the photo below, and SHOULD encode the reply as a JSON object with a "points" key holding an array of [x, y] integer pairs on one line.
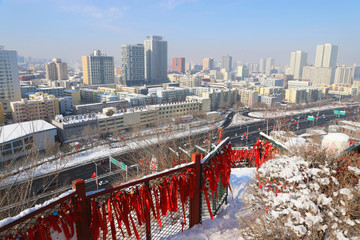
{"points": [[296, 122], [207, 142], [93, 175], [244, 133], [122, 138]]}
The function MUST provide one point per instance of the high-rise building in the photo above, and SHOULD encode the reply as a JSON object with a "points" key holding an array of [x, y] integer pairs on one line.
{"points": [[254, 68], [27, 110], [269, 64], [9, 79], [227, 63], [298, 60], [262, 65], [356, 72], [242, 72], [326, 55], [178, 65], [343, 76], [208, 64], [318, 75], [155, 59], [133, 64], [98, 69], [56, 70]]}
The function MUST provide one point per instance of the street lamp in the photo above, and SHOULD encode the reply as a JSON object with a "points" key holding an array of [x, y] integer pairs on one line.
{"points": [[96, 173]]}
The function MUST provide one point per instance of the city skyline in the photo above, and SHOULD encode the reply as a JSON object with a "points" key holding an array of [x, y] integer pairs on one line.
{"points": [[192, 28]]}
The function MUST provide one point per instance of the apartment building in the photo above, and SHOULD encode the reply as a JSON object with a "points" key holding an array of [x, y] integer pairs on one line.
{"points": [[90, 95], [248, 97], [173, 110], [27, 110], [296, 96]]}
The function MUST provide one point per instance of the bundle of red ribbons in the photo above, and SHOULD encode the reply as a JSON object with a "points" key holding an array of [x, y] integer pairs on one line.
{"points": [[139, 200], [260, 153], [218, 168], [159, 199], [61, 221]]}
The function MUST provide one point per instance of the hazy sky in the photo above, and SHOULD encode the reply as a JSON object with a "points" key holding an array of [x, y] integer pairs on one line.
{"points": [[246, 29]]}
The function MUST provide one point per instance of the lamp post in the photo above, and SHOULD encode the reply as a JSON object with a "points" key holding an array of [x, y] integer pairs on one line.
{"points": [[96, 173]]}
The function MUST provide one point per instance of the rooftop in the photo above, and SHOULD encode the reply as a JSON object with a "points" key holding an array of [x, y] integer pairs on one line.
{"points": [[17, 130]]}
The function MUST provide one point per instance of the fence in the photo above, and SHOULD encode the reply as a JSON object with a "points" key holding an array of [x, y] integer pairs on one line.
{"points": [[153, 207]]}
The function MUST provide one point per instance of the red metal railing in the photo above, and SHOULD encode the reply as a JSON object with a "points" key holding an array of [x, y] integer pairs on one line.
{"points": [[183, 205]]}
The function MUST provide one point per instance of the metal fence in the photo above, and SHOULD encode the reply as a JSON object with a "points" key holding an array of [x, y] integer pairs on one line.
{"points": [[191, 211]]}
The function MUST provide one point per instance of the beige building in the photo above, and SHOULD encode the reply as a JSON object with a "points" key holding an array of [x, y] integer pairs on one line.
{"points": [[208, 64], [90, 95], [173, 110], [248, 97], [205, 102], [98, 69], [270, 90], [296, 96], [132, 118], [107, 90], [44, 96], [56, 70], [75, 94], [27, 110]]}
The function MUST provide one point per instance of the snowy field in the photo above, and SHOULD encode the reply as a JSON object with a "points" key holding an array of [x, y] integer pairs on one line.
{"points": [[226, 224]]}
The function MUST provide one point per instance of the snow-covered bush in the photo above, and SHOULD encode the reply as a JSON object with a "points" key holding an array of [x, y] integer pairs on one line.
{"points": [[305, 197]]}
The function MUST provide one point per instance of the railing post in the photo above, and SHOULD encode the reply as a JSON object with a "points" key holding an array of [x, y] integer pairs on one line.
{"points": [[82, 225], [148, 223], [195, 201]]}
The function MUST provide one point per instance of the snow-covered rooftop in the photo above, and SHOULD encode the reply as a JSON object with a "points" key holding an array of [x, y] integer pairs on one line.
{"points": [[17, 130]]}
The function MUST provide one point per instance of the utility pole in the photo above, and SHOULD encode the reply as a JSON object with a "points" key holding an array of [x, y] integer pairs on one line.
{"points": [[96, 173]]}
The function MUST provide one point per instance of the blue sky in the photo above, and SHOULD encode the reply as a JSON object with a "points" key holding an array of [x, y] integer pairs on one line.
{"points": [[246, 29]]}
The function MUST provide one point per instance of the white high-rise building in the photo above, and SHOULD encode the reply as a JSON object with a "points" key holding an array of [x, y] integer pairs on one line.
{"points": [[298, 60], [269, 64], [262, 65], [318, 75], [9, 79], [343, 76], [133, 64], [155, 50], [326, 55]]}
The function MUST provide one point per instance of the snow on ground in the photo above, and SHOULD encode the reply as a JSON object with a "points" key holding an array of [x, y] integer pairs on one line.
{"points": [[274, 114], [335, 143], [226, 224], [295, 142], [239, 119]]}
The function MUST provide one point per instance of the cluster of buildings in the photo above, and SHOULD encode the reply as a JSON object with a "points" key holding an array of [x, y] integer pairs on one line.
{"points": [[142, 92]]}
